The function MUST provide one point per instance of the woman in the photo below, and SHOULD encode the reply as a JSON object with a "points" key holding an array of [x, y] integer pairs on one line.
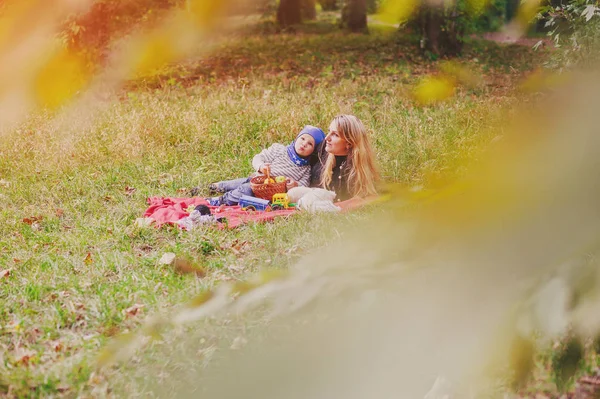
{"points": [[345, 161]]}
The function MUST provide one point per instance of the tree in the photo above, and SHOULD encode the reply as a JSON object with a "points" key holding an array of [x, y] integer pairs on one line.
{"points": [[511, 9], [289, 12], [91, 32], [309, 10], [575, 27], [354, 15], [441, 30]]}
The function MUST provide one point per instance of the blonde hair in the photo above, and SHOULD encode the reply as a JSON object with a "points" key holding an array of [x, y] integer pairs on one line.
{"points": [[363, 174]]}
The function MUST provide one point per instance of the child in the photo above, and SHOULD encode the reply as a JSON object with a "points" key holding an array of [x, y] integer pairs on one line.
{"points": [[291, 161]]}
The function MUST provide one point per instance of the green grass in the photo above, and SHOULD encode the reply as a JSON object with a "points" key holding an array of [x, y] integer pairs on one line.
{"points": [[66, 186]]}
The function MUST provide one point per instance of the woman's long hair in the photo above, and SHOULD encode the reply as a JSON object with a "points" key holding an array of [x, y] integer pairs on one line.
{"points": [[362, 173]]}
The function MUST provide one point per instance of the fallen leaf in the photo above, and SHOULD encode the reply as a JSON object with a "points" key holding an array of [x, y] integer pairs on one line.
{"points": [[237, 246], [185, 266], [167, 258], [88, 259], [24, 357], [5, 273], [63, 388], [129, 190], [51, 297], [56, 346], [33, 219], [133, 310], [59, 212]]}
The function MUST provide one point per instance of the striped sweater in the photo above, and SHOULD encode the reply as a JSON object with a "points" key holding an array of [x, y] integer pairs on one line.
{"points": [[281, 164]]}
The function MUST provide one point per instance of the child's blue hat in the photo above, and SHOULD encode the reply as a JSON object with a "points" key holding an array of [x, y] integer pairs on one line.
{"points": [[315, 132]]}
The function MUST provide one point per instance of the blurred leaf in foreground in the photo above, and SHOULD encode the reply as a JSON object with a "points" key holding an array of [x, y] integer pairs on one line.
{"points": [[60, 79], [433, 89], [397, 11]]}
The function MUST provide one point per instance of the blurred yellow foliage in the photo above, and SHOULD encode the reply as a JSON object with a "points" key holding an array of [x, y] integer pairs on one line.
{"points": [[394, 11], [63, 76], [433, 89], [204, 13], [527, 12], [461, 73], [153, 52], [541, 80], [13, 16]]}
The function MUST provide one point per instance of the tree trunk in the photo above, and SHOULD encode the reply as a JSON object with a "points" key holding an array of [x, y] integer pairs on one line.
{"points": [[433, 30], [511, 9], [441, 35], [354, 15], [289, 12], [309, 10]]}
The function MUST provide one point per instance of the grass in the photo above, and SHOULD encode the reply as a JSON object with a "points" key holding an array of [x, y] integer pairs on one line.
{"points": [[72, 188]]}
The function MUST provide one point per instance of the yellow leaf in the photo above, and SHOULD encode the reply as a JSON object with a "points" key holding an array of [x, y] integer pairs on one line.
{"points": [[205, 13], [397, 11], [460, 73], [200, 299], [14, 16], [527, 11], [433, 89], [156, 51], [110, 353], [60, 79], [541, 80]]}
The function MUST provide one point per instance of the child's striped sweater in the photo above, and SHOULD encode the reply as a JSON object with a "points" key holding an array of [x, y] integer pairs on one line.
{"points": [[281, 164]]}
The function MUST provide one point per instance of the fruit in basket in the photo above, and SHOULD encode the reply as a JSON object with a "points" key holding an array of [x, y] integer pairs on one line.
{"points": [[280, 179], [269, 181]]}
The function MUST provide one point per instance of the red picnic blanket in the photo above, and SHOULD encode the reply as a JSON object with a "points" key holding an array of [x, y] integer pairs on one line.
{"points": [[165, 210]]}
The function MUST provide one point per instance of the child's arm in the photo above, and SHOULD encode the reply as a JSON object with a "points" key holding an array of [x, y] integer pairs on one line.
{"points": [[266, 156]]}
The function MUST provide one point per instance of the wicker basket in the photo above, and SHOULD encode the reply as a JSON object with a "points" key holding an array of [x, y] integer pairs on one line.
{"points": [[266, 191]]}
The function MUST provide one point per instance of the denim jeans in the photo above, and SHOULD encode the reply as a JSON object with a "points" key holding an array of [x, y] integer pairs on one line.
{"points": [[234, 189]]}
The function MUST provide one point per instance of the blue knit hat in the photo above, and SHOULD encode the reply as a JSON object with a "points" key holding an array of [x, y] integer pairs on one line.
{"points": [[315, 132]]}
